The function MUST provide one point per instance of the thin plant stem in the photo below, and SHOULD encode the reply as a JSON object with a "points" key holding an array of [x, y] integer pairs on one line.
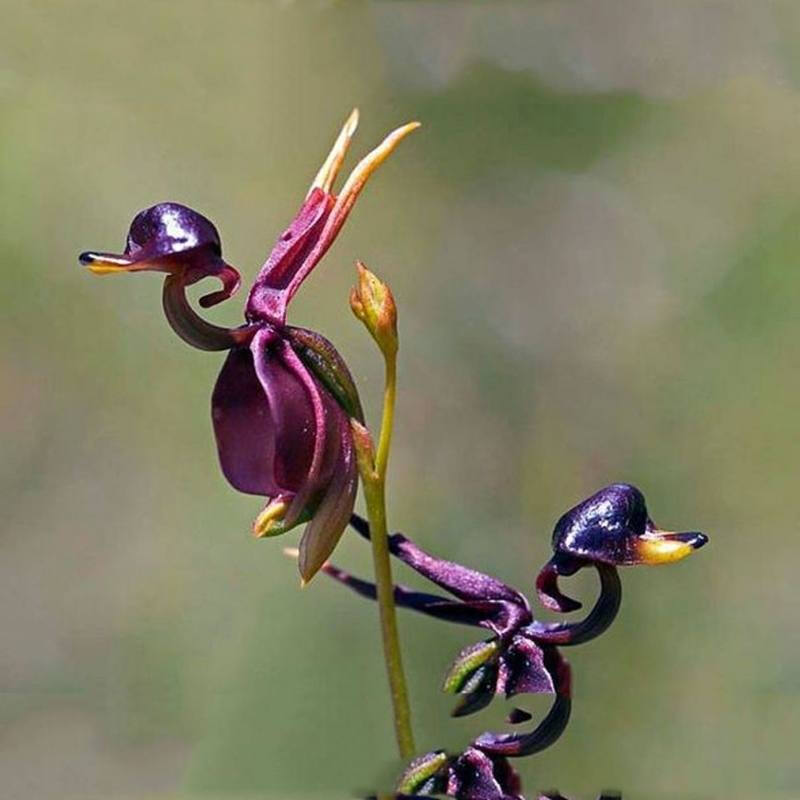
{"points": [[387, 421], [373, 478]]}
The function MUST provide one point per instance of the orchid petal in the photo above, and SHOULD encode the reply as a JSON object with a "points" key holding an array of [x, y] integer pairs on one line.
{"points": [[322, 358], [596, 622], [244, 426], [330, 168], [465, 583], [330, 518], [323, 433], [315, 227], [548, 730], [522, 669], [426, 773], [430, 604], [472, 777], [478, 692], [469, 660]]}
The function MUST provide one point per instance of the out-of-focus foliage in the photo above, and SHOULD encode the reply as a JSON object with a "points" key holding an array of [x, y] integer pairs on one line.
{"points": [[594, 247]]}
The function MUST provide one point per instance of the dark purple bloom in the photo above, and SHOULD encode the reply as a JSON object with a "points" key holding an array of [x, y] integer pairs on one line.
{"points": [[282, 404], [471, 775], [610, 528]]}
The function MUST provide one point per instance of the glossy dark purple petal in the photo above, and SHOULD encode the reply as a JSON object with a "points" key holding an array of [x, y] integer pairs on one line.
{"points": [[472, 777], [269, 420], [523, 670], [463, 582], [430, 604], [308, 446], [244, 426]]}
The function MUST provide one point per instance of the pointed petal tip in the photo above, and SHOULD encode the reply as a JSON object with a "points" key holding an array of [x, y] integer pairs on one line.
{"points": [[326, 176], [352, 121]]}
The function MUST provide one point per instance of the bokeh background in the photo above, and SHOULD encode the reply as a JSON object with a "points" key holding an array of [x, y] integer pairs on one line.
{"points": [[594, 243]]}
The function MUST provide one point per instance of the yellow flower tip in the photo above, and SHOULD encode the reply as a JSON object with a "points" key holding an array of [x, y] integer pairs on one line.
{"points": [[106, 269], [330, 168], [270, 521], [105, 263], [371, 161], [665, 547]]}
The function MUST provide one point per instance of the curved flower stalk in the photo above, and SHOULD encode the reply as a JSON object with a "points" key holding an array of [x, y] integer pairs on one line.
{"points": [[282, 404], [608, 529]]}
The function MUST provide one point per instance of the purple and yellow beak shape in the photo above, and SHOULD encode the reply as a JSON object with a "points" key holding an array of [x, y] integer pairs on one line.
{"points": [[610, 529], [613, 526], [176, 240]]}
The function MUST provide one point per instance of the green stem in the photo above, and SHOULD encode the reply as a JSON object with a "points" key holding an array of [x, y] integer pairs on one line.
{"points": [[387, 420], [373, 478]]}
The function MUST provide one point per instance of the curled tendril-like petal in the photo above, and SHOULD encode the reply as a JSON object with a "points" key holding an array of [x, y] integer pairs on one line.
{"points": [[514, 745], [596, 622]]}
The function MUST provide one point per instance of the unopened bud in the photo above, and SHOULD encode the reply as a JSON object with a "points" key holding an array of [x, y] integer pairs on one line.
{"points": [[373, 303]]}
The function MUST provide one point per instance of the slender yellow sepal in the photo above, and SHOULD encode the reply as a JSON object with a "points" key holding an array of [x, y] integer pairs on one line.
{"points": [[330, 168], [359, 176]]}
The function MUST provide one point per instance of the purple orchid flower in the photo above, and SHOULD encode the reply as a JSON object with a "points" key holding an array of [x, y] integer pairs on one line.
{"points": [[282, 404], [610, 528], [471, 775]]}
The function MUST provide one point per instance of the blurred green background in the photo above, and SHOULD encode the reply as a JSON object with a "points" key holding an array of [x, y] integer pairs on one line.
{"points": [[594, 243]]}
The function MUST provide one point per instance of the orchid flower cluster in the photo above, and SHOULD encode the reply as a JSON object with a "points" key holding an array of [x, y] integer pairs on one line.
{"points": [[289, 426], [612, 528]]}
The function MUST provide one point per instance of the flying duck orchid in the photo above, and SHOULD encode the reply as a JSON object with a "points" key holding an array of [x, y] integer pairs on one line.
{"points": [[282, 404], [611, 528]]}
